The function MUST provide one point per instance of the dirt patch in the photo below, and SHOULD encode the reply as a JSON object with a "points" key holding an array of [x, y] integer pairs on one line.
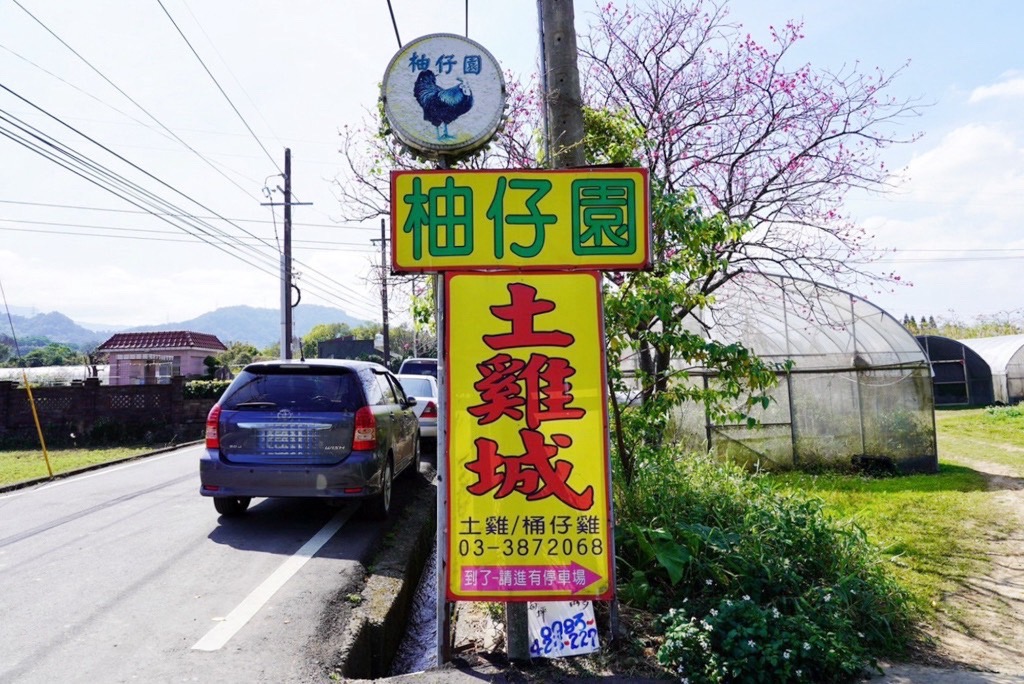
{"points": [[982, 624]]}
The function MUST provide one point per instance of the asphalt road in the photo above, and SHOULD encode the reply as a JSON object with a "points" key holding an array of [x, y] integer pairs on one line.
{"points": [[126, 574]]}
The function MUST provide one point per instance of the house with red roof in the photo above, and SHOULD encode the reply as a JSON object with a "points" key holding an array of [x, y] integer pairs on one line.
{"points": [[153, 358]]}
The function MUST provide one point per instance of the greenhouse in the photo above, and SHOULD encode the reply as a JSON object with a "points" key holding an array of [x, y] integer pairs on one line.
{"points": [[858, 392], [960, 377], [1005, 356]]}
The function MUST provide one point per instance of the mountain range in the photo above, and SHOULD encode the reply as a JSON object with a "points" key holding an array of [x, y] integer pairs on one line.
{"points": [[259, 327]]}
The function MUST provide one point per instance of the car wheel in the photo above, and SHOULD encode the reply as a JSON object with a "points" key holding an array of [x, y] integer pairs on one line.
{"points": [[380, 505], [231, 506]]}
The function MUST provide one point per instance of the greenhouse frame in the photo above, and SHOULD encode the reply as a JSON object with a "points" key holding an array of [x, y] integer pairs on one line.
{"points": [[857, 392], [960, 376], [1005, 356]]}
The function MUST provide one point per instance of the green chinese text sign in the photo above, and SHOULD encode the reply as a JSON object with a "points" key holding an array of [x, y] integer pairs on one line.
{"points": [[595, 219]]}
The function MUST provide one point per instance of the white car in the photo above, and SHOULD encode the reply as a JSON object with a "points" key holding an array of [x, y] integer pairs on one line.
{"points": [[424, 388]]}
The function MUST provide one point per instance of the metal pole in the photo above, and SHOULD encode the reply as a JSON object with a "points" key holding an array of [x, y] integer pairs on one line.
{"points": [[441, 454], [384, 292]]}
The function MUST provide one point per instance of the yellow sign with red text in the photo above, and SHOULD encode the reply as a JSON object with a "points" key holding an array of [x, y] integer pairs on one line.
{"points": [[529, 511]]}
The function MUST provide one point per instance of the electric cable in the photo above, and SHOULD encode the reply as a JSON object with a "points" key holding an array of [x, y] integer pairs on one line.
{"points": [[131, 99], [122, 185], [60, 121], [394, 24], [217, 83], [359, 246], [213, 46], [302, 224]]}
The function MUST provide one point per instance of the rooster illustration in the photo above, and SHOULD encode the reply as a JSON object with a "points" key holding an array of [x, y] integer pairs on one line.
{"points": [[441, 106]]}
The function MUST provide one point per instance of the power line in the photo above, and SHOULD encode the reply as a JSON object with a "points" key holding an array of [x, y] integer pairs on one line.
{"points": [[96, 174], [213, 46], [131, 99], [136, 211], [117, 156], [53, 150], [217, 83], [360, 246], [395, 24]]}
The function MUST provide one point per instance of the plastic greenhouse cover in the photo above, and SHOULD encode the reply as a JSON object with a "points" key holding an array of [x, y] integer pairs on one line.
{"points": [[817, 326]]}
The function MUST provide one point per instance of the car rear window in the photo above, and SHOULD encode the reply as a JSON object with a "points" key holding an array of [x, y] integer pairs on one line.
{"points": [[417, 387], [419, 368], [297, 389]]}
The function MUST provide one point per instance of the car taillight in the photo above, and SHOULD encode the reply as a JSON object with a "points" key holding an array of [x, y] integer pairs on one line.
{"points": [[429, 411], [364, 437], [213, 428]]}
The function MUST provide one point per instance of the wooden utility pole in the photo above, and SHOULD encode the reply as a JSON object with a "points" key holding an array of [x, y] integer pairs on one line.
{"points": [[564, 145]]}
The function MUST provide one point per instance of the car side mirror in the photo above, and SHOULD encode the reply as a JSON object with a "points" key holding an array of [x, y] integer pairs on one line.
{"points": [[410, 402]]}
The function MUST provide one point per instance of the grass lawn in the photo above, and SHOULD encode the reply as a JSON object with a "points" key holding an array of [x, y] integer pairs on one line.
{"points": [[16, 466], [933, 529]]}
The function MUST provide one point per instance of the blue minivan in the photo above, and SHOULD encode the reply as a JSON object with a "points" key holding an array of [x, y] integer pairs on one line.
{"points": [[312, 428]]}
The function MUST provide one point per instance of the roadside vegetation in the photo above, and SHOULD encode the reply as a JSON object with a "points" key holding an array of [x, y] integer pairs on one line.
{"points": [[745, 577], [29, 464], [924, 526], [724, 575]]}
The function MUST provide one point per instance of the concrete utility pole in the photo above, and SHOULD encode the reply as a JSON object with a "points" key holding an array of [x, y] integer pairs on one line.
{"points": [[286, 261], [561, 82], [564, 144], [286, 257]]}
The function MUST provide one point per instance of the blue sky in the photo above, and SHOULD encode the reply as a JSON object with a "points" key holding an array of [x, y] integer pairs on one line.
{"points": [[298, 76]]}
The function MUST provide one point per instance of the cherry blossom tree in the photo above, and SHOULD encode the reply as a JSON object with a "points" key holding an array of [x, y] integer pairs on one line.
{"points": [[775, 146]]}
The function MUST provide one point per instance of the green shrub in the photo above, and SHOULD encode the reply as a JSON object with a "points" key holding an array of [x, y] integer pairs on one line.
{"points": [[747, 574], [1005, 413], [204, 389]]}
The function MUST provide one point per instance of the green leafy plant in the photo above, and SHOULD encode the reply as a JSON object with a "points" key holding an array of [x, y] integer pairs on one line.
{"points": [[204, 389], [746, 574]]}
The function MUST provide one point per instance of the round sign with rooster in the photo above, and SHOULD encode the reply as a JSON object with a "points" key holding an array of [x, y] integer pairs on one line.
{"points": [[444, 95]]}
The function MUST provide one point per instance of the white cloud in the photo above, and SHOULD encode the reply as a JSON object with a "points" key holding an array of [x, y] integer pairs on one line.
{"points": [[1007, 89], [976, 171]]}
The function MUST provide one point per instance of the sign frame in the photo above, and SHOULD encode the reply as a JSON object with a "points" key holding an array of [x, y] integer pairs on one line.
{"points": [[406, 115], [404, 239], [601, 588]]}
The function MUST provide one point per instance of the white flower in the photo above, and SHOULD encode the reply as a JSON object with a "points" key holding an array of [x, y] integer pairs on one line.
{"points": [[775, 612], [807, 646], [785, 655], [714, 612], [751, 643], [799, 672], [860, 634], [708, 582], [746, 597], [828, 597]]}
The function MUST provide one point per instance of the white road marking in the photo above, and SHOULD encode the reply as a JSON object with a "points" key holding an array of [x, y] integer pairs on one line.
{"points": [[217, 637]]}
